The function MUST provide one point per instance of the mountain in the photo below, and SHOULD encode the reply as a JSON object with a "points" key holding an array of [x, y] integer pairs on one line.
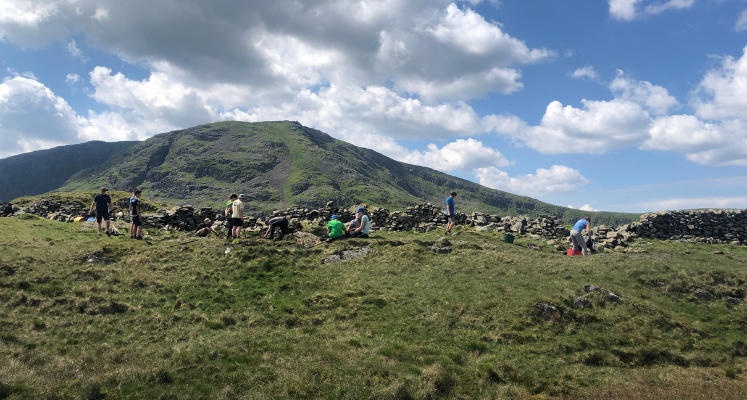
{"points": [[279, 164], [41, 171]]}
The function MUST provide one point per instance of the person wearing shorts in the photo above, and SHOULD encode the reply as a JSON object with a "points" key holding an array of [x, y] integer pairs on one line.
{"points": [[450, 216], [237, 211], [137, 217], [103, 204]]}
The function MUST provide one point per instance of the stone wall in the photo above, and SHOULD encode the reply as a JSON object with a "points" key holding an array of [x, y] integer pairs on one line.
{"points": [[706, 226]]}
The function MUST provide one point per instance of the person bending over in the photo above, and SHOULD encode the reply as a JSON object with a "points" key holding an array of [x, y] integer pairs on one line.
{"points": [[281, 223], [335, 229], [363, 226], [205, 228], [103, 204], [576, 238]]}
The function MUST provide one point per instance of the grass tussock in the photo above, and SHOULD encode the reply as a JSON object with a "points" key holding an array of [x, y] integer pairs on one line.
{"points": [[82, 317]]}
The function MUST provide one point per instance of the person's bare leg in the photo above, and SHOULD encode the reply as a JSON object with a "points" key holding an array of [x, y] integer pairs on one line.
{"points": [[108, 225]]}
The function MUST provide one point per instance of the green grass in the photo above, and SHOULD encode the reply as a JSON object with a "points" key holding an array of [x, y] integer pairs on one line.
{"points": [[173, 319]]}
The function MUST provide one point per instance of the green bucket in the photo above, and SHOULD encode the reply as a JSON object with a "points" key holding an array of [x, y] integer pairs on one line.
{"points": [[508, 238]]}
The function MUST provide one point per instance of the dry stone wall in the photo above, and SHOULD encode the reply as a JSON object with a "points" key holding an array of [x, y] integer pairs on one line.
{"points": [[702, 226]]}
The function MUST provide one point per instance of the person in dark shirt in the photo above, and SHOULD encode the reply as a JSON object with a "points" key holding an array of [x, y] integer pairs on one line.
{"points": [[205, 228], [103, 204], [132, 223], [137, 218], [276, 223], [229, 214], [450, 215]]}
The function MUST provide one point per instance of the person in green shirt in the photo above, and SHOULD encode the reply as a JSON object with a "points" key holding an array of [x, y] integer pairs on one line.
{"points": [[229, 213], [335, 229]]}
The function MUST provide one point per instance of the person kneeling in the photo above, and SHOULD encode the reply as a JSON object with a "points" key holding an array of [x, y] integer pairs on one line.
{"points": [[360, 226], [205, 228], [335, 229], [277, 223]]}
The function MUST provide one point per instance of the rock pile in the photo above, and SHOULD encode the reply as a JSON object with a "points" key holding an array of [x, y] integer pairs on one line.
{"points": [[546, 226]]}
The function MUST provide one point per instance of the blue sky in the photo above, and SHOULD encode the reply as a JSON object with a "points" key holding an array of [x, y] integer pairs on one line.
{"points": [[619, 105]]}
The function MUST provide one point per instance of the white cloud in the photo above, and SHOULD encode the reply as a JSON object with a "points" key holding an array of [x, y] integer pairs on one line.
{"points": [[723, 91], [72, 47], [586, 72], [461, 155], [557, 179], [72, 78], [741, 24], [569, 206], [628, 10], [32, 117], [498, 80], [686, 203], [704, 143], [598, 127], [624, 10], [101, 14], [587, 207], [658, 8], [26, 74], [654, 98]]}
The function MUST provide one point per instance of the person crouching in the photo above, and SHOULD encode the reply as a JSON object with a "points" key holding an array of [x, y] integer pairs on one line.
{"points": [[205, 228], [335, 229], [281, 223]]}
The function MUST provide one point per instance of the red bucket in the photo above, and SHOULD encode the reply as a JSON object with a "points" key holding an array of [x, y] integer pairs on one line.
{"points": [[572, 252]]}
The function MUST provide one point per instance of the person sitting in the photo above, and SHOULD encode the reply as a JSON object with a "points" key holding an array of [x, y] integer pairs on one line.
{"points": [[335, 229], [277, 223], [360, 226], [205, 228]]}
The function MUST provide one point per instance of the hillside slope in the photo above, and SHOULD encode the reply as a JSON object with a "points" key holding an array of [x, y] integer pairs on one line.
{"points": [[279, 164], [41, 171]]}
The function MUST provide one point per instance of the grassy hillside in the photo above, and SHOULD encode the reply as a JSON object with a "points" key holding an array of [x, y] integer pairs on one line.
{"points": [[279, 164], [44, 170], [115, 318]]}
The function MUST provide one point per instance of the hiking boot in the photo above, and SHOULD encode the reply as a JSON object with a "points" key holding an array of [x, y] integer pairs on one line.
{"points": [[99, 233], [139, 237]]}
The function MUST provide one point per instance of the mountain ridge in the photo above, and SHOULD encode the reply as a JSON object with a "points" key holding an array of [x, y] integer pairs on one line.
{"points": [[283, 163]]}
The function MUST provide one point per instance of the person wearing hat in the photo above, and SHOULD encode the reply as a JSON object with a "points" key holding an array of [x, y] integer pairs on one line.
{"points": [[103, 205], [205, 228], [229, 213], [361, 225], [576, 238], [276, 223], [335, 229], [237, 213]]}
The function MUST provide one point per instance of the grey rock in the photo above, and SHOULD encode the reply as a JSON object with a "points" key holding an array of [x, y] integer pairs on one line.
{"points": [[440, 250], [734, 301], [347, 255], [591, 289], [582, 302], [703, 294], [613, 298]]}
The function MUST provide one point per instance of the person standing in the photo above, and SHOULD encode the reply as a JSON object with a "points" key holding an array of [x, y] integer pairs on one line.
{"points": [[103, 205], [229, 214], [132, 222], [576, 238], [237, 213], [137, 216], [364, 224], [450, 216]]}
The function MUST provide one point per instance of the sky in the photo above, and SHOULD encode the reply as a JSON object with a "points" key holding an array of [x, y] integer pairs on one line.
{"points": [[609, 105]]}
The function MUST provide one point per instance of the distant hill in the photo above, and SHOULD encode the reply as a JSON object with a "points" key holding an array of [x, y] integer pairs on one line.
{"points": [[279, 164], [44, 170]]}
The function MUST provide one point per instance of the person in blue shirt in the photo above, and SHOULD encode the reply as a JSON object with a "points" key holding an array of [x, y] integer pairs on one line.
{"points": [[576, 238], [450, 217]]}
